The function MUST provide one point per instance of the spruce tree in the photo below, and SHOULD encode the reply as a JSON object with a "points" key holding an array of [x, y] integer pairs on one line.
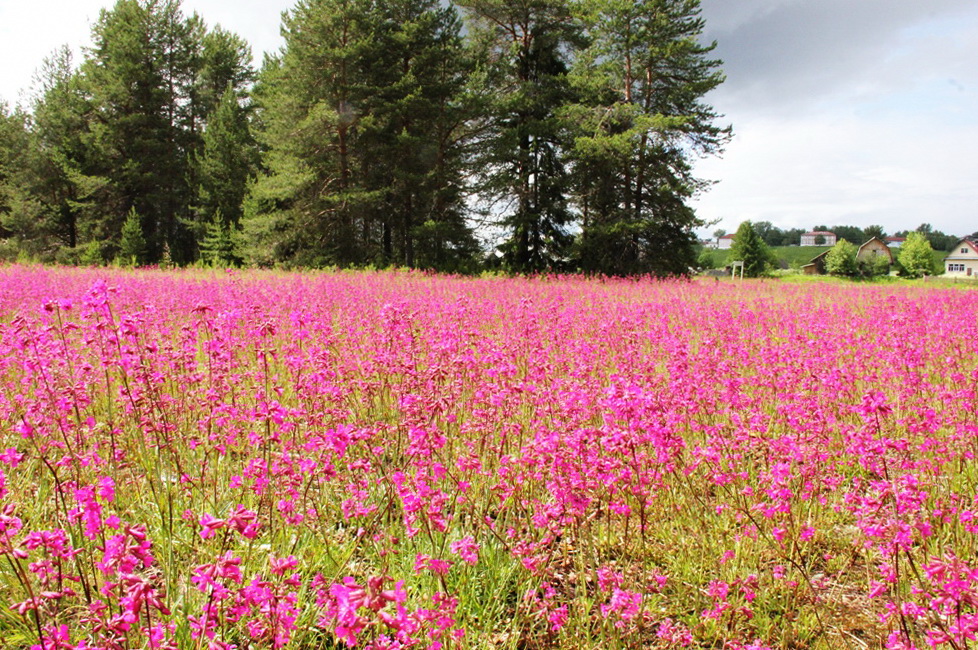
{"points": [[134, 139], [749, 248], [132, 242], [228, 162], [148, 77]]}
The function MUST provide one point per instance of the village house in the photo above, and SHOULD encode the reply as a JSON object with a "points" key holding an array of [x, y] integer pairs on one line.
{"points": [[816, 266], [962, 262], [874, 248], [725, 242], [895, 242], [818, 238]]}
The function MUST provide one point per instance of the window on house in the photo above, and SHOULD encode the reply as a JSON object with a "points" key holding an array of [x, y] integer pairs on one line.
{"points": [[964, 250]]}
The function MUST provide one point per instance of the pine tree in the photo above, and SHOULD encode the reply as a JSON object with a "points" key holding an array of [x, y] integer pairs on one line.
{"points": [[305, 209], [414, 76], [526, 49], [638, 125], [361, 157]]}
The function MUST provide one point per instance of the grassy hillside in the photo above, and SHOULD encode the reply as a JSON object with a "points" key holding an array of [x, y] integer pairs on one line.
{"points": [[794, 257], [788, 256]]}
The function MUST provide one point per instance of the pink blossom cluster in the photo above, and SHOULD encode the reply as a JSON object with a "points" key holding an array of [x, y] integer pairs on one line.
{"points": [[224, 460]]}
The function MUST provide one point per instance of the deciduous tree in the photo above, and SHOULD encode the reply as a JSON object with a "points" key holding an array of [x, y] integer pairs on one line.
{"points": [[916, 257], [841, 259]]}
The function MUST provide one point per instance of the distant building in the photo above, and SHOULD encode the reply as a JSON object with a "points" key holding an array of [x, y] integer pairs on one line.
{"points": [[812, 238], [816, 266], [895, 242], [962, 262], [725, 242], [875, 247]]}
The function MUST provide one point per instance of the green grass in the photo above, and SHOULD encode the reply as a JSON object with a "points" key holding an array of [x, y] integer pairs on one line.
{"points": [[791, 256]]}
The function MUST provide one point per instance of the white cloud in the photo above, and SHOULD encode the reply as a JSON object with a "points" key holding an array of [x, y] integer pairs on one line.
{"points": [[844, 170], [847, 113], [32, 30]]}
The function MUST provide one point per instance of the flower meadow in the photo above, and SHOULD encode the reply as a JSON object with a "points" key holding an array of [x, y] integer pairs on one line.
{"points": [[220, 460]]}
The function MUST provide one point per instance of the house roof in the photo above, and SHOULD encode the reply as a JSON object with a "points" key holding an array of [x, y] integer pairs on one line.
{"points": [[896, 239], [819, 232], [966, 240], [728, 236], [881, 242]]}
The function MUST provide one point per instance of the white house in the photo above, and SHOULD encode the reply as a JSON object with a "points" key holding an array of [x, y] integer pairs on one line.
{"points": [[812, 238], [962, 262], [725, 242]]}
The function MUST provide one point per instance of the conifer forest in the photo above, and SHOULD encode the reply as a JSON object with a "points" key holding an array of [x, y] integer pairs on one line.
{"points": [[526, 136]]}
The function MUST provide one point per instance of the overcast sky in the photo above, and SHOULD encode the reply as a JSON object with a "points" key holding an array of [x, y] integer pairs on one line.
{"points": [[844, 111]]}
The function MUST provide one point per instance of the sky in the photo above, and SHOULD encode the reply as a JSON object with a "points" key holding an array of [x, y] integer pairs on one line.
{"points": [[848, 112]]}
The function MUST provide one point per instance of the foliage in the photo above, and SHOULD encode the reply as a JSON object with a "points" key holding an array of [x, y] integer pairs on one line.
{"points": [[916, 256], [132, 245], [380, 135], [749, 248], [774, 236], [228, 162], [873, 231], [221, 246], [124, 130], [706, 260], [361, 159], [939, 241], [841, 259], [873, 266], [524, 51], [638, 122]]}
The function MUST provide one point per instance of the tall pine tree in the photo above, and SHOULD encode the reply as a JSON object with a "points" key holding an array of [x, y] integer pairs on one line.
{"points": [[526, 48], [361, 123], [641, 121]]}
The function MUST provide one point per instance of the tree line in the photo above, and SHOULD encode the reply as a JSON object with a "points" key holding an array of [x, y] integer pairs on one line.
{"points": [[382, 133], [913, 258], [774, 236]]}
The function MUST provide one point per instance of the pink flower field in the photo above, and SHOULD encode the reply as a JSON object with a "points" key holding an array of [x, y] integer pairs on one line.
{"points": [[214, 460]]}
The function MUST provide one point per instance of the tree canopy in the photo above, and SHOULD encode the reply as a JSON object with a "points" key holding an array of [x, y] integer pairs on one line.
{"points": [[383, 133]]}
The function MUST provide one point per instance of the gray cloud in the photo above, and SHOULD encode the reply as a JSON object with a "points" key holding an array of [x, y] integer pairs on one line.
{"points": [[789, 54]]}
